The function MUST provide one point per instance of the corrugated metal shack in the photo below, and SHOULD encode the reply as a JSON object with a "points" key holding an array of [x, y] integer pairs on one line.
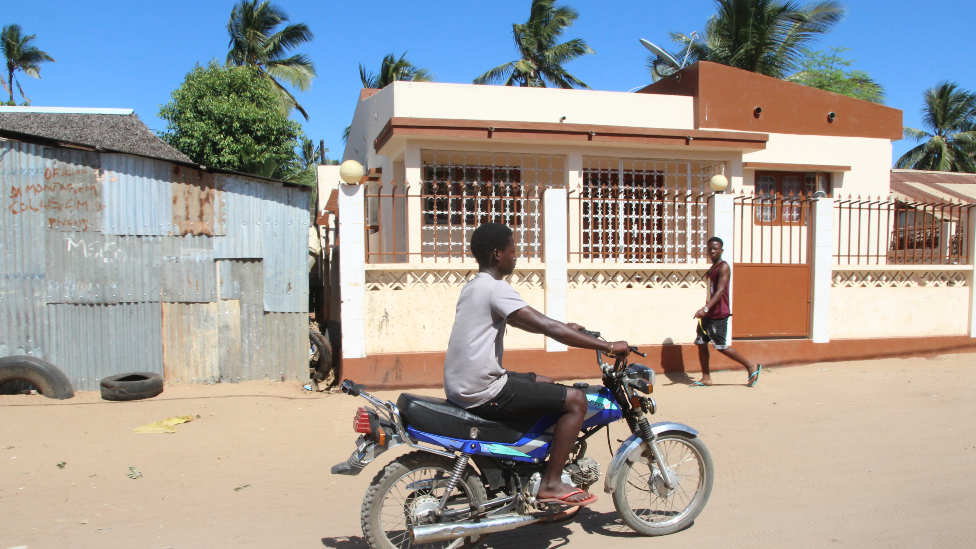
{"points": [[117, 255]]}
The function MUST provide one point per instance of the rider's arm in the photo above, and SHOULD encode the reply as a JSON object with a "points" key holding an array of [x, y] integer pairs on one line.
{"points": [[533, 321]]}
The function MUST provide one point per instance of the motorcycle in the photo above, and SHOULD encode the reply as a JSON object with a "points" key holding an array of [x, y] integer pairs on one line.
{"points": [[469, 477]]}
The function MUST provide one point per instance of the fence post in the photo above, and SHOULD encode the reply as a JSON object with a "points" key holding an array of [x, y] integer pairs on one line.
{"points": [[971, 260], [352, 270], [721, 223], [555, 256], [821, 267]]}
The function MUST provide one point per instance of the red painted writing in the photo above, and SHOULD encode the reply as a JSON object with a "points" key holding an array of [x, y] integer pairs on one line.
{"points": [[65, 223]]}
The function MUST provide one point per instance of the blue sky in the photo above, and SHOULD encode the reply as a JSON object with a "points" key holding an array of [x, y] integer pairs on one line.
{"points": [[133, 54]]}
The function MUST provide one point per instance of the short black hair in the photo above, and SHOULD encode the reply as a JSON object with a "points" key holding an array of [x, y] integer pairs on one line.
{"points": [[716, 239], [487, 238]]}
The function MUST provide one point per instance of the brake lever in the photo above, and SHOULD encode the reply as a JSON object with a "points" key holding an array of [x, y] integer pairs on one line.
{"points": [[636, 352]]}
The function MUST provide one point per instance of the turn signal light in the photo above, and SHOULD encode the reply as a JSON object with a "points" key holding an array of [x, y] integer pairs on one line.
{"points": [[360, 423]]}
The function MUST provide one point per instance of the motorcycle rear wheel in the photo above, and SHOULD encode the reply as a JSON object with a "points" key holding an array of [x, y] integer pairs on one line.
{"points": [[642, 498], [398, 494]]}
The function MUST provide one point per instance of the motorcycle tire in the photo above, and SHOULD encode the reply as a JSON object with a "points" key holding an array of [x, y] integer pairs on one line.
{"points": [[372, 512], [634, 479]]}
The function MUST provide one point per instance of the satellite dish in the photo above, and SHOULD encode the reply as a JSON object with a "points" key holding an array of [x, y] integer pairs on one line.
{"points": [[664, 64]]}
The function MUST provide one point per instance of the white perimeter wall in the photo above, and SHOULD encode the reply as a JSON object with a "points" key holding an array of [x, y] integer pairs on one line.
{"points": [[857, 313], [642, 316]]}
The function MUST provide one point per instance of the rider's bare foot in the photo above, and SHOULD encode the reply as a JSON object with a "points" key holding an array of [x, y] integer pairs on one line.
{"points": [[558, 490], [704, 381]]}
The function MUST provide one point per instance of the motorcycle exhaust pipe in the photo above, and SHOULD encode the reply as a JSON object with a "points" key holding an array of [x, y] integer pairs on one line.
{"points": [[452, 530]]}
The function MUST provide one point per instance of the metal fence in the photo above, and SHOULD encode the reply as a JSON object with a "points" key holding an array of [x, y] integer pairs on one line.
{"points": [[885, 231], [772, 229], [638, 225], [640, 210]]}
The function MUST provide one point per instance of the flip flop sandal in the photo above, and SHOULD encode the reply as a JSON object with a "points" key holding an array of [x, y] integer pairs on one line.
{"points": [[698, 384], [754, 378], [563, 500]]}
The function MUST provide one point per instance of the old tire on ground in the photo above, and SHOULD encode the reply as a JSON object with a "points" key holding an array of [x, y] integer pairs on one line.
{"points": [[323, 366], [49, 380], [131, 386]]}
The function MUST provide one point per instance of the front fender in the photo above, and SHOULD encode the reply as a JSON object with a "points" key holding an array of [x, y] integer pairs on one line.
{"points": [[632, 442]]}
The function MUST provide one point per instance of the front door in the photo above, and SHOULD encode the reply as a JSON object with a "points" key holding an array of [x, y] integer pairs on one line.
{"points": [[771, 268]]}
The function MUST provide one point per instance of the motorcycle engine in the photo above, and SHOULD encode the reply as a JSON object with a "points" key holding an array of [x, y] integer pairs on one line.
{"points": [[583, 472]]}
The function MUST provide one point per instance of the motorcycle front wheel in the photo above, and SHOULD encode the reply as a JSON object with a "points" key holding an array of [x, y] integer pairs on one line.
{"points": [[642, 497], [408, 491]]}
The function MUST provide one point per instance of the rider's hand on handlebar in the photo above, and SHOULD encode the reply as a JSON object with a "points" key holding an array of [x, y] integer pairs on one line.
{"points": [[574, 326], [619, 349]]}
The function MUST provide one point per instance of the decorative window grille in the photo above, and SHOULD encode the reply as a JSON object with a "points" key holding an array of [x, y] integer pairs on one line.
{"points": [[461, 190], [643, 211]]}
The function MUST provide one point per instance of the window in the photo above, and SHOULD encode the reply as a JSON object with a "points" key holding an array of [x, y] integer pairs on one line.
{"points": [[783, 195], [460, 190]]}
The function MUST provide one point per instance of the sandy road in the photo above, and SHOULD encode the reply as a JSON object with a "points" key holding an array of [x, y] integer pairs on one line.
{"points": [[864, 454]]}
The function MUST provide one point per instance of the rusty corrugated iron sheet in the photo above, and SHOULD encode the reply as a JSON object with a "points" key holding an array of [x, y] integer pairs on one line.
{"points": [[189, 272], [271, 345], [257, 214], [95, 341], [136, 195], [107, 265], [24, 326]]}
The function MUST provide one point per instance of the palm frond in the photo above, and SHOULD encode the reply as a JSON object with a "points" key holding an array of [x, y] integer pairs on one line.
{"points": [[915, 134], [496, 74]]}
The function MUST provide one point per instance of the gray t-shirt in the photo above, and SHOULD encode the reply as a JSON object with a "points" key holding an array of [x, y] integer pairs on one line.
{"points": [[473, 372]]}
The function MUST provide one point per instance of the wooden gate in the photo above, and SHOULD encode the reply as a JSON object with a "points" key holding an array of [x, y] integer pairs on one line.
{"points": [[771, 274]]}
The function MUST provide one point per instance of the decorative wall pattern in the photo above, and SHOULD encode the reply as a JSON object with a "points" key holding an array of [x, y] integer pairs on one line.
{"points": [[898, 279], [453, 279], [654, 279]]}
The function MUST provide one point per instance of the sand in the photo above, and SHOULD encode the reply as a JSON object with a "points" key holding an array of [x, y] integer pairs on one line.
{"points": [[860, 454]]}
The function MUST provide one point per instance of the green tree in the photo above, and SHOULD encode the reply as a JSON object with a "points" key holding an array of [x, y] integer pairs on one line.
{"points": [[230, 117], [22, 56], [825, 71], [253, 41], [763, 36], [950, 145], [541, 59], [393, 70]]}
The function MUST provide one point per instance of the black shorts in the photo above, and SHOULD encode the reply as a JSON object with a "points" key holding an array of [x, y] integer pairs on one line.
{"points": [[715, 330], [523, 397]]}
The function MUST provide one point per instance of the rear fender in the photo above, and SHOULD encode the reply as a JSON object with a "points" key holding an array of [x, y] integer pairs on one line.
{"points": [[610, 484], [366, 451]]}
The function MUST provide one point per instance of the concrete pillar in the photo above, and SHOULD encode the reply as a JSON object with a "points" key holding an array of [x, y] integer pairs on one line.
{"points": [[970, 232], [414, 178], [352, 270], [721, 223], [554, 218], [821, 267], [574, 184]]}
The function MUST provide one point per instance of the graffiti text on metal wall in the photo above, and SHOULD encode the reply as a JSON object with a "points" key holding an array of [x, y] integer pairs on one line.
{"points": [[70, 196], [107, 252]]}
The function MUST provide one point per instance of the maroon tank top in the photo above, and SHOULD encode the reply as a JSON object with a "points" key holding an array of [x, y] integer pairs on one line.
{"points": [[721, 309]]}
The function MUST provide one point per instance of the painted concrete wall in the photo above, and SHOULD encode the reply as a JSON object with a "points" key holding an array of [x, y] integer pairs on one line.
{"points": [[420, 320], [869, 159], [857, 313], [517, 104], [641, 316]]}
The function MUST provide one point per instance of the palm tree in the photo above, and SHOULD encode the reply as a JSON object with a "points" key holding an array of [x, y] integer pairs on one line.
{"points": [[20, 56], [950, 114], [253, 41], [763, 36], [541, 58], [392, 70]]}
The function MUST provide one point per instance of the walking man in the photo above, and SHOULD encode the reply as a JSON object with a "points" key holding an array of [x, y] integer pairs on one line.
{"points": [[713, 318]]}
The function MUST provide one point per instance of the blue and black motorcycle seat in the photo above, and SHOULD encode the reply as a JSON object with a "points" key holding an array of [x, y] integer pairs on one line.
{"points": [[438, 416]]}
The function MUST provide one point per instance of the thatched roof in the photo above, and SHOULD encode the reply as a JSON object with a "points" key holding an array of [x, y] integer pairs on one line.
{"points": [[110, 129]]}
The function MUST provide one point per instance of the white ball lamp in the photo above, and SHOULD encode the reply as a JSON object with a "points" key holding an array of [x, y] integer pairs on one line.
{"points": [[351, 172], [718, 183]]}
